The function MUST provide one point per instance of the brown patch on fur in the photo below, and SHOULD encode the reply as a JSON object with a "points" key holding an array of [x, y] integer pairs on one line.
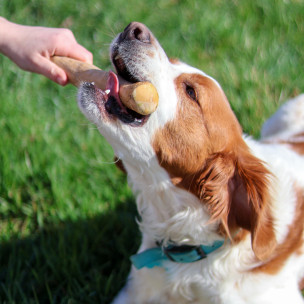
{"points": [[297, 147], [199, 129], [151, 54], [292, 243], [234, 188], [174, 60], [250, 204], [296, 143], [203, 151], [240, 236]]}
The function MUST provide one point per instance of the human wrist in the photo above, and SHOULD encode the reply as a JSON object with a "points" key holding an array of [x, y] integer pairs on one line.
{"points": [[3, 36], [6, 34]]}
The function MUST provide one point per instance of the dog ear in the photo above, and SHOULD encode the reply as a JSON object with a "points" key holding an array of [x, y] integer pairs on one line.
{"points": [[235, 190], [250, 204]]}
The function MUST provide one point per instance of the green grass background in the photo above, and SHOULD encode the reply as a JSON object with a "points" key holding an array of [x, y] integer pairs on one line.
{"points": [[66, 213]]}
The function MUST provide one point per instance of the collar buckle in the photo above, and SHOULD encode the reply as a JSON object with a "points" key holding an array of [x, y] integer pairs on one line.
{"points": [[184, 253]]}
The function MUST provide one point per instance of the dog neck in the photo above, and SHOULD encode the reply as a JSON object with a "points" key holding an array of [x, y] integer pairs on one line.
{"points": [[168, 213]]}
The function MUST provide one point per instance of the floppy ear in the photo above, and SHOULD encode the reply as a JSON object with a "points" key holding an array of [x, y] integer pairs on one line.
{"points": [[250, 204], [235, 189]]}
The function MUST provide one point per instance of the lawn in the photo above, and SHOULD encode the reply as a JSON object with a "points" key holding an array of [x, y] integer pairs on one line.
{"points": [[66, 213]]}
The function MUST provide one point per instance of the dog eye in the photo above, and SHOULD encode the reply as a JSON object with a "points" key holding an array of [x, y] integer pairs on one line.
{"points": [[191, 92]]}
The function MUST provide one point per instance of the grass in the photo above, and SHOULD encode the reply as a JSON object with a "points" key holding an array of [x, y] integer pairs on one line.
{"points": [[66, 213]]}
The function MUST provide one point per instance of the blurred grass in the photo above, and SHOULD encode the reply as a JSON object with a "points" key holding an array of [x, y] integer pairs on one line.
{"points": [[66, 214]]}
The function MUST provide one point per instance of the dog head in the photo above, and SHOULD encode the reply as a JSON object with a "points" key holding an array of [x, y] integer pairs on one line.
{"points": [[193, 134]]}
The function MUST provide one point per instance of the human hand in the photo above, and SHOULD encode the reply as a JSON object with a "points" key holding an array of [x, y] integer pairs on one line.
{"points": [[31, 47]]}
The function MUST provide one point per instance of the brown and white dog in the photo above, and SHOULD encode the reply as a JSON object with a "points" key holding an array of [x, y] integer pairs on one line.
{"points": [[201, 184]]}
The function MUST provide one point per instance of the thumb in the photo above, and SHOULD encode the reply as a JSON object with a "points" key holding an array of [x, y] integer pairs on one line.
{"points": [[50, 70]]}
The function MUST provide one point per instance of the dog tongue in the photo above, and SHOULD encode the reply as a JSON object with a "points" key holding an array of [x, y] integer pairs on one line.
{"points": [[113, 85]]}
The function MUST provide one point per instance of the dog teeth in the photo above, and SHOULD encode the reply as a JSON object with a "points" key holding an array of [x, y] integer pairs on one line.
{"points": [[117, 57], [107, 92]]}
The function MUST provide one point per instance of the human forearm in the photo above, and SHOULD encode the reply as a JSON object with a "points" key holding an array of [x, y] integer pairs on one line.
{"points": [[5, 33]]}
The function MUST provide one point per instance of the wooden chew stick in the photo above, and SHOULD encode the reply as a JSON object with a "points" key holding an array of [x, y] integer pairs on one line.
{"points": [[141, 97]]}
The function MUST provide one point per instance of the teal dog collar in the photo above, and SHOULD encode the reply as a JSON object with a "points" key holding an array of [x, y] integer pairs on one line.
{"points": [[180, 254]]}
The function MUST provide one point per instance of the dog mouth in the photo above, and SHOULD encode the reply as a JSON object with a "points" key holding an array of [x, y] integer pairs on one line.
{"points": [[116, 108], [108, 100]]}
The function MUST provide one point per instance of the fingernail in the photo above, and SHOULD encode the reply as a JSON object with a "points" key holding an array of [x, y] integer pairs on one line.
{"points": [[60, 81]]}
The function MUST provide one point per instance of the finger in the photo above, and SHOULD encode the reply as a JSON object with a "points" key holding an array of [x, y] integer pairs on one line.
{"points": [[76, 51], [50, 70], [82, 54], [66, 45]]}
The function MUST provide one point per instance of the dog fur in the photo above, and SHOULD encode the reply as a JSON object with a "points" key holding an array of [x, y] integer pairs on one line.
{"points": [[198, 179]]}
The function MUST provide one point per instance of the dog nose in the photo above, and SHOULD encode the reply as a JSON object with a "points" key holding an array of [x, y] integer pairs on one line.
{"points": [[136, 31]]}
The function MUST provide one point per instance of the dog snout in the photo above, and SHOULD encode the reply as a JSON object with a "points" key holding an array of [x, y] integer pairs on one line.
{"points": [[136, 31]]}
